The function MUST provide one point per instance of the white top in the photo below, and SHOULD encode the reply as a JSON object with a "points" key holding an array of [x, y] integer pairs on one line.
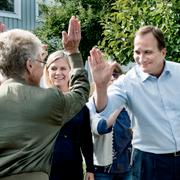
{"points": [[103, 154]]}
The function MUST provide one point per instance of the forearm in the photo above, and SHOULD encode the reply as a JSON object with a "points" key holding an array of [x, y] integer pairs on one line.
{"points": [[87, 151], [79, 77], [87, 143], [113, 117], [100, 97], [79, 87], [102, 127]]}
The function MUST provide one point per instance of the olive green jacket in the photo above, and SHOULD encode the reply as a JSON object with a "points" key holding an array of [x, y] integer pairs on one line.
{"points": [[30, 118]]}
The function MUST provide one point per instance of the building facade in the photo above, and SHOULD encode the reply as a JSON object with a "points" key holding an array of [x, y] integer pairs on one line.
{"points": [[21, 14]]}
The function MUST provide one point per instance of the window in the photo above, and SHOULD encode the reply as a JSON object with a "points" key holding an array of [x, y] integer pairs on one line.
{"points": [[10, 8]]}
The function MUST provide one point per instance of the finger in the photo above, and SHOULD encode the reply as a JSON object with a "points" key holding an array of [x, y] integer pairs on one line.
{"points": [[71, 26], [90, 63], [97, 56], [93, 57], [113, 66], [76, 28], [64, 37], [77, 35], [100, 56]]}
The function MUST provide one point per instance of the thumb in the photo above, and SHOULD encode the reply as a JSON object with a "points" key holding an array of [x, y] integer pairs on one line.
{"points": [[64, 37], [113, 66]]}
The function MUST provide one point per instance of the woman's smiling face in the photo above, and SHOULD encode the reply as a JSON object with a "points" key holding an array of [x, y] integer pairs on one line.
{"points": [[59, 74]]}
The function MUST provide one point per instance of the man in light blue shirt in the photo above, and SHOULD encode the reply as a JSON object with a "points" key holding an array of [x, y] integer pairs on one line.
{"points": [[151, 90]]}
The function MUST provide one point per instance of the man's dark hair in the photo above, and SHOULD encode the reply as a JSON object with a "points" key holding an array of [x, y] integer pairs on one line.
{"points": [[157, 33]]}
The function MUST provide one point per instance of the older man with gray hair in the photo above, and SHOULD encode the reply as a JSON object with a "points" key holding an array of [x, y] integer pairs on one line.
{"points": [[30, 116]]}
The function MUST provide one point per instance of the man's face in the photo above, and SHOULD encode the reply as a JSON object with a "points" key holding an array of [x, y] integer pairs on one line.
{"points": [[37, 71], [147, 55]]}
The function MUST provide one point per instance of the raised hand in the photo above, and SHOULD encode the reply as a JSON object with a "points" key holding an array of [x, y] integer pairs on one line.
{"points": [[100, 69], [101, 72], [2, 27], [71, 39]]}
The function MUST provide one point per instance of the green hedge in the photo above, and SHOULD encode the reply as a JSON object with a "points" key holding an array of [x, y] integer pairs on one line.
{"points": [[127, 16]]}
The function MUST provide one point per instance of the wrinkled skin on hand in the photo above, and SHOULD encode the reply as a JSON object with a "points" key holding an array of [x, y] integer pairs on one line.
{"points": [[71, 39]]}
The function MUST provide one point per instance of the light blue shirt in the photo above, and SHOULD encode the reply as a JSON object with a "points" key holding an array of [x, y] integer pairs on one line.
{"points": [[155, 105]]}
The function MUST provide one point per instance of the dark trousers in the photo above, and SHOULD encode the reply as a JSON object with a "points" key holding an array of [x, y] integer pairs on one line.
{"points": [[149, 166], [103, 173]]}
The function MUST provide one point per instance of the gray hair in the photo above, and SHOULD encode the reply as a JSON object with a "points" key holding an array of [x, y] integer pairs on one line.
{"points": [[16, 47]]}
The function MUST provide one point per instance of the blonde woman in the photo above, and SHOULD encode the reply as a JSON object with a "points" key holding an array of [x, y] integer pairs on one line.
{"points": [[75, 136]]}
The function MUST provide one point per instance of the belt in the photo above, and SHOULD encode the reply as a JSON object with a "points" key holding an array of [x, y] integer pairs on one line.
{"points": [[175, 154], [102, 169]]}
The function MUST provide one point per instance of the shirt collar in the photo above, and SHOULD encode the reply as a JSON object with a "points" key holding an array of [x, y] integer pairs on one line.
{"points": [[144, 76]]}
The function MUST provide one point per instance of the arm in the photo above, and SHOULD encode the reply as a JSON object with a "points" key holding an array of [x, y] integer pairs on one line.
{"points": [[101, 72], [113, 117], [105, 126], [71, 39], [86, 141], [98, 122], [79, 84]]}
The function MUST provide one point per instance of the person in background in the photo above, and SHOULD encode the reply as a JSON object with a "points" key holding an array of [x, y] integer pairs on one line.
{"points": [[151, 91], [31, 117], [112, 141], [75, 137], [2, 27]]}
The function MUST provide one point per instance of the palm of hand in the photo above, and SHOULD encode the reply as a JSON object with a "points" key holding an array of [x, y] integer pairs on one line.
{"points": [[71, 44], [71, 40], [101, 73]]}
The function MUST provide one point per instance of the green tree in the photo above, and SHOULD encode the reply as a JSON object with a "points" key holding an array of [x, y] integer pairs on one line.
{"points": [[56, 17], [127, 16]]}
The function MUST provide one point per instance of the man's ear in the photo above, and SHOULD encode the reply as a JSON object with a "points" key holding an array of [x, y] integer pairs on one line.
{"points": [[29, 66], [164, 52]]}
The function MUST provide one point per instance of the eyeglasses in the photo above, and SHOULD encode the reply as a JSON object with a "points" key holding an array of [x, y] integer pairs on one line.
{"points": [[43, 62]]}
